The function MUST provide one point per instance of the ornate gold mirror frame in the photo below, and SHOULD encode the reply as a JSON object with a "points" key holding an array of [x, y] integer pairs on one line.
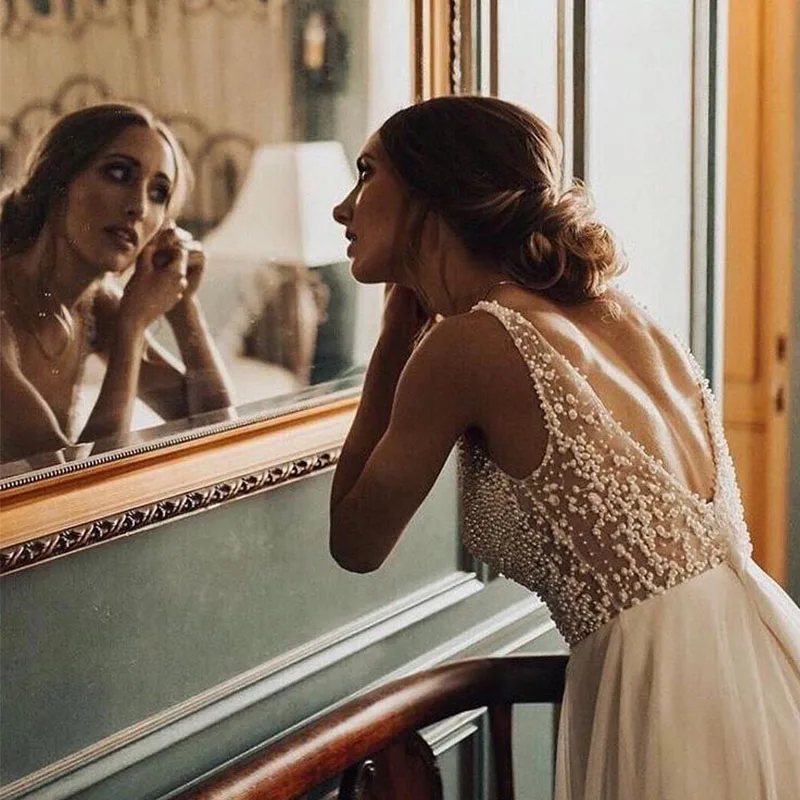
{"points": [[80, 505]]}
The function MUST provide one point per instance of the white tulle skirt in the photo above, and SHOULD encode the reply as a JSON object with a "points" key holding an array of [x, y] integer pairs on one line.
{"points": [[692, 694]]}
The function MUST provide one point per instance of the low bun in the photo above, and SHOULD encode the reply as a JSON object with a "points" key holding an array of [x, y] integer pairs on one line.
{"points": [[494, 173], [569, 256]]}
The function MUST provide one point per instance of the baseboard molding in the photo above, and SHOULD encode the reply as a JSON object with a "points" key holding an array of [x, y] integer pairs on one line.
{"points": [[103, 759]]}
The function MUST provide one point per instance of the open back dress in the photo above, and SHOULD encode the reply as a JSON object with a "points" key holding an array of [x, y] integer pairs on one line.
{"points": [[684, 672]]}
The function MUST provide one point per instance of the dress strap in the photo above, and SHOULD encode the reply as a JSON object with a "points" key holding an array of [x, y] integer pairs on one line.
{"points": [[556, 386]]}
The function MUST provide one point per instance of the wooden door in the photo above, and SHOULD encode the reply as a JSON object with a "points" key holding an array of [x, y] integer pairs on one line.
{"points": [[758, 302]]}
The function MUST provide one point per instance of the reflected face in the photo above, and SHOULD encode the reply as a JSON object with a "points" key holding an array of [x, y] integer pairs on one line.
{"points": [[119, 202], [374, 214]]}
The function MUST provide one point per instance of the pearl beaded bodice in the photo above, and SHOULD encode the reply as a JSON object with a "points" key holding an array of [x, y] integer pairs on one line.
{"points": [[600, 525]]}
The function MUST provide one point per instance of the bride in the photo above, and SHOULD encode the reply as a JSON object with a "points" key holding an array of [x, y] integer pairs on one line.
{"points": [[593, 465], [99, 196]]}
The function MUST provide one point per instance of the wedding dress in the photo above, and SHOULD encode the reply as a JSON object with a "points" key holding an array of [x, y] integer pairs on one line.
{"points": [[684, 673]]}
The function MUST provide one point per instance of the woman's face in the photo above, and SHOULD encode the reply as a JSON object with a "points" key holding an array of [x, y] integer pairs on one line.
{"points": [[374, 215], [119, 202]]}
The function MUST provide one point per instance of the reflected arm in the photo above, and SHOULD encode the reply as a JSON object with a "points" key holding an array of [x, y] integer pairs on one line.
{"points": [[172, 389], [208, 387], [113, 411]]}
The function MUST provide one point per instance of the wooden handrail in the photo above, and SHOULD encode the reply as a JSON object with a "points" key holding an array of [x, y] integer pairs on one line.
{"points": [[372, 721]]}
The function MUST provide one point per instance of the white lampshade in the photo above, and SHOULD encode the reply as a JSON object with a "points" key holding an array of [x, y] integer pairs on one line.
{"points": [[284, 210]]}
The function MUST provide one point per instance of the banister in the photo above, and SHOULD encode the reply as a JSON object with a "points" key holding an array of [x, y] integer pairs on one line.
{"points": [[370, 722]]}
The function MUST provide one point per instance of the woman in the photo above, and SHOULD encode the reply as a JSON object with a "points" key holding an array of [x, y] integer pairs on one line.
{"points": [[593, 465], [100, 195]]}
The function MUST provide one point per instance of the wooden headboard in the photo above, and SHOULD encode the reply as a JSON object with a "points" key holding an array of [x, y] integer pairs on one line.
{"points": [[220, 159]]}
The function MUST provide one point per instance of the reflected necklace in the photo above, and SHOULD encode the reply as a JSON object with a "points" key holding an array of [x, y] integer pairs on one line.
{"points": [[63, 317], [46, 307]]}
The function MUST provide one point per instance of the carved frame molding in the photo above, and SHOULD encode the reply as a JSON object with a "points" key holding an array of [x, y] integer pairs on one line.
{"points": [[106, 529]]}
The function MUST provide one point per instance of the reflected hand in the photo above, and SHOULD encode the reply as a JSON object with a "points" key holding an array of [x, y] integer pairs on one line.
{"points": [[196, 261], [160, 278], [187, 307]]}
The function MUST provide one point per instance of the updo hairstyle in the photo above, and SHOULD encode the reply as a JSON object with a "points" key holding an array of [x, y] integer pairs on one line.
{"points": [[493, 171], [65, 151]]}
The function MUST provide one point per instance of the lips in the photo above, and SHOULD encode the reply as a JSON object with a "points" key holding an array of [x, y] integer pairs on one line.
{"points": [[351, 238], [124, 236]]}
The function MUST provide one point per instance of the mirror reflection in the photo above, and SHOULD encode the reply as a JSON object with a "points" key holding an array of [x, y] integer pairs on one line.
{"points": [[168, 174]]}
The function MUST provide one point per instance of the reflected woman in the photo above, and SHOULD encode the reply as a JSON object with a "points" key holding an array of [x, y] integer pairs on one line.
{"points": [[99, 195]]}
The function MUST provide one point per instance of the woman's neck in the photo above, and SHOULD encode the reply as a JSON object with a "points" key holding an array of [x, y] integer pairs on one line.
{"points": [[55, 272], [448, 277], [453, 280]]}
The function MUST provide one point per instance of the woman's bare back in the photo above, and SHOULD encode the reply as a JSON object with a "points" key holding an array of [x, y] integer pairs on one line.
{"points": [[641, 374]]}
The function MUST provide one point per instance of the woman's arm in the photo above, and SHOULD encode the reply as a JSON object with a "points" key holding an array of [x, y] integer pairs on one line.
{"points": [[381, 481], [112, 413], [122, 320], [201, 383], [403, 319], [174, 390]]}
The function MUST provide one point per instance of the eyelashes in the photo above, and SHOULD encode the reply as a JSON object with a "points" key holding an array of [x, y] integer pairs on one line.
{"points": [[123, 173], [363, 169], [160, 195]]}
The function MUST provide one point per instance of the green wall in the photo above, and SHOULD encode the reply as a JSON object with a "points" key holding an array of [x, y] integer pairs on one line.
{"points": [[132, 668]]}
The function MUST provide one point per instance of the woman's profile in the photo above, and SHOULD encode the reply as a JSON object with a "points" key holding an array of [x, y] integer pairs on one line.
{"points": [[592, 461], [99, 196]]}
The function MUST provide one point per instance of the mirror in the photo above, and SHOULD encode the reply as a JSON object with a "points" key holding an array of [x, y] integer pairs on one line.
{"points": [[270, 101]]}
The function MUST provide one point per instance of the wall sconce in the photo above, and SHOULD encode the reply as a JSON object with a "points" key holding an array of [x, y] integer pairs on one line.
{"points": [[323, 50]]}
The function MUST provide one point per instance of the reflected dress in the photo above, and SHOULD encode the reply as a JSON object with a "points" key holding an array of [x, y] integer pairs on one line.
{"points": [[684, 673]]}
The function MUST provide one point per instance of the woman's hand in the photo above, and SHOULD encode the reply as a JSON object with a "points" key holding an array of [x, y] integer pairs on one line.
{"points": [[195, 268], [159, 281], [195, 261], [405, 318]]}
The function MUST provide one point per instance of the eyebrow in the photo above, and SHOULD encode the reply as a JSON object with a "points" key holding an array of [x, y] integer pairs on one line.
{"points": [[137, 164]]}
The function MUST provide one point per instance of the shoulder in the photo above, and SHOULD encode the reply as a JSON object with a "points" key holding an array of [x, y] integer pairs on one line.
{"points": [[9, 347], [472, 359], [657, 343], [472, 341], [456, 334]]}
